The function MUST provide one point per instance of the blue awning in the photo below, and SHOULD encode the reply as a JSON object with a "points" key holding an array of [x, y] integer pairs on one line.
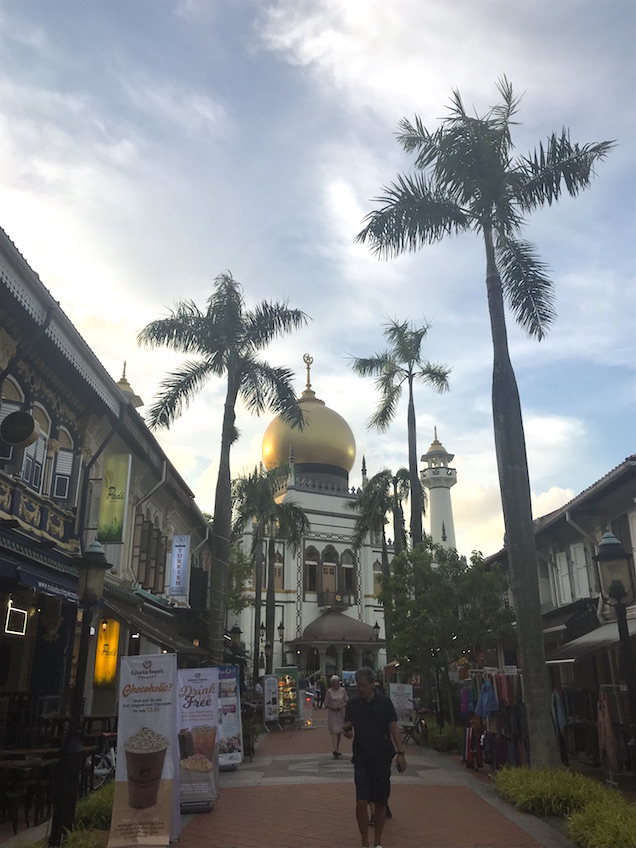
{"points": [[48, 582]]}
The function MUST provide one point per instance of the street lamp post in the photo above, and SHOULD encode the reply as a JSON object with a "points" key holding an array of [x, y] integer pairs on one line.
{"points": [[91, 567], [616, 573], [281, 639]]}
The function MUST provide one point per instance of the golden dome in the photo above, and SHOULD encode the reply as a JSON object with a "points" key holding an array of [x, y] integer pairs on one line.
{"points": [[326, 438]]}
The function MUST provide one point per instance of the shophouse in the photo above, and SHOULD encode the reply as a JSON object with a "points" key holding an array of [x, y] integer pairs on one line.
{"points": [[580, 630], [66, 427]]}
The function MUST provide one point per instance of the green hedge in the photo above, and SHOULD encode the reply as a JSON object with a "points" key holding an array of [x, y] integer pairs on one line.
{"points": [[597, 817]]}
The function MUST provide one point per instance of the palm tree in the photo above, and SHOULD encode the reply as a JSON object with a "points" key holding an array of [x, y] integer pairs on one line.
{"points": [[372, 504], [402, 363], [251, 500], [224, 341], [400, 490], [254, 500], [469, 181]]}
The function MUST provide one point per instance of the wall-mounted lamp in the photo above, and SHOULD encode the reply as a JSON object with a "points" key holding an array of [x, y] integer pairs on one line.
{"points": [[376, 627]]}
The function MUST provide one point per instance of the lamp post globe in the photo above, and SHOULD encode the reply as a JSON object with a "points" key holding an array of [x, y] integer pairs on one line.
{"points": [[616, 576], [91, 570]]}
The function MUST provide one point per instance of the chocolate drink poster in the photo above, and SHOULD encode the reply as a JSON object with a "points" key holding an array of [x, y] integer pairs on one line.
{"points": [[197, 723], [146, 806]]}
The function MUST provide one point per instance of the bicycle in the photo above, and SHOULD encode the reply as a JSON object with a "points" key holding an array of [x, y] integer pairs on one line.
{"points": [[417, 730], [105, 761]]}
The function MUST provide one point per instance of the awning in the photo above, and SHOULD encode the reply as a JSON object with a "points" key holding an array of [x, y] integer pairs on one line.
{"points": [[596, 640], [159, 629], [48, 582]]}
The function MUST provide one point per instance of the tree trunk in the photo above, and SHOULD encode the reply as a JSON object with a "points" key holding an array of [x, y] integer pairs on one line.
{"points": [[258, 593], [221, 531], [414, 479], [270, 602], [514, 486], [388, 630]]}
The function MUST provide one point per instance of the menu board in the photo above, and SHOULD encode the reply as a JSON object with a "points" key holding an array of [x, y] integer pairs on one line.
{"points": [[287, 682], [146, 805], [197, 721], [402, 696], [270, 698], [230, 731]]}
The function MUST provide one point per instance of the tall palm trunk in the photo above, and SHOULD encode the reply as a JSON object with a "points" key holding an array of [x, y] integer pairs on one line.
{"points": [[388, 601], [416, 489], [270, 601], [258, 594], [514, 484], [221, 531]]}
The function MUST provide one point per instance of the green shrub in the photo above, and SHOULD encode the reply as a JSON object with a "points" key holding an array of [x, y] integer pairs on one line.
{"points": [[84, 839], [94, 811], [608, 822], [547, 792]]}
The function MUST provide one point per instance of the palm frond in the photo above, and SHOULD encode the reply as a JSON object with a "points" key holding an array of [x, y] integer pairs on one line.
{"points": [[390, 393], [268, 320], [177, 390], [528, 289], [559, 163], [180, 331], [264, 386], [370, 366], [435, 375], [417, 137], [413, 213]]}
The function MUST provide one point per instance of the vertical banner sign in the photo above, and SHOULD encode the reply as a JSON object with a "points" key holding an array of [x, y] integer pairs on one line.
{"points": [[179, 565], [270, 698], [114, 501], [230, 729], [402, 696], [146, 804], [106, 654], [197, 720]]}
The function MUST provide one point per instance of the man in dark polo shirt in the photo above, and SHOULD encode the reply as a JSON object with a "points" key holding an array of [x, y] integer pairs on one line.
{"points": [[371, 720]]}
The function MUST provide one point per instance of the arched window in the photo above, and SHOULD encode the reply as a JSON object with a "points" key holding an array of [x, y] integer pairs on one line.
{"points": [[311, 569], [62, 462], [377, 573], [329, 570], [35, 454], [347, 573], [278, 572], [12, 399]]}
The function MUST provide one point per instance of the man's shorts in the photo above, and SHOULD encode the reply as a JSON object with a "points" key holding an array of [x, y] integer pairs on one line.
{"points": [[373, 782]]}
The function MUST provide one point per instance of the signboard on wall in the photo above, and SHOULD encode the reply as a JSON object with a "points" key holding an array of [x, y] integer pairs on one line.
{"points": [[179, 566], [114, 500], [146, 803], [106, 654]]}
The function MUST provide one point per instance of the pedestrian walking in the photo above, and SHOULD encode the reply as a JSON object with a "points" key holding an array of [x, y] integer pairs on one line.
{"points": [[335, 702], [371, 720]]}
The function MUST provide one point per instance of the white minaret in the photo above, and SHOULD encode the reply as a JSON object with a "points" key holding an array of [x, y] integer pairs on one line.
{"points": [[438, 479]]}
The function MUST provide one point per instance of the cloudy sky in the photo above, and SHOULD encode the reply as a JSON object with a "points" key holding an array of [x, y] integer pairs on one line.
{"points": [[148, 145]]}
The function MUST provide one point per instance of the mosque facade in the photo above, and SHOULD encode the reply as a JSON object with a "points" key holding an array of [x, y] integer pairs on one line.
{"points": [[326, 591]]}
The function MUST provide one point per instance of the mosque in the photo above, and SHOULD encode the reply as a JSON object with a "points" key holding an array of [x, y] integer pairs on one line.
{"points": [[328, 617]]}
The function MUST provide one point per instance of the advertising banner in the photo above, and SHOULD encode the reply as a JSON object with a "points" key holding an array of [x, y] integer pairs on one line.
{"points": [[179, 565], [230, 729], [106, 654], [198, 719], [114, 500], [402, 696], [270, 698], [146, 804]]}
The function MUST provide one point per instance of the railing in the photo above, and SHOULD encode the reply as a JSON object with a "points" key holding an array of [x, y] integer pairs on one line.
{"points": [[23, 508]]}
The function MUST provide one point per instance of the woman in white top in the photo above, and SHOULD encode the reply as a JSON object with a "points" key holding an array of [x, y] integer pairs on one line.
{"points": [[335, 701]]}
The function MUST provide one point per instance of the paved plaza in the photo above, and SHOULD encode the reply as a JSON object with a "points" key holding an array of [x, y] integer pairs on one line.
{"points": [[294, 794]]}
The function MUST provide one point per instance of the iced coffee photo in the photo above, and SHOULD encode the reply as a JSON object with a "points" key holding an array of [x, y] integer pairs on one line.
{"points": [[145, 755]]}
